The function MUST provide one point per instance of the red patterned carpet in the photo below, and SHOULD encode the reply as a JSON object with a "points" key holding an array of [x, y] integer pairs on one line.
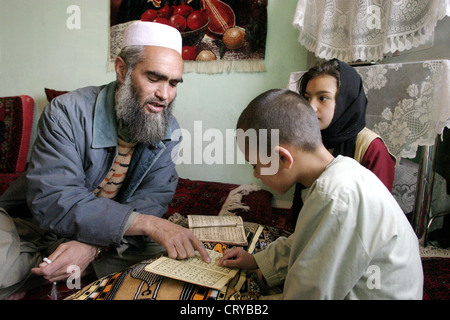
{"points": [[436, 278], [199, 197], [436, 282]]}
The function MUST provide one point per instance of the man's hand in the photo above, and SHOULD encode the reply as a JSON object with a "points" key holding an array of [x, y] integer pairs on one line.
{"points": [[67, 254], [179, 242], [238, 258]]}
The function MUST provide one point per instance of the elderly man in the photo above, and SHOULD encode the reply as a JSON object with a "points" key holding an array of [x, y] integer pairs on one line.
{"points": [[101, 173]]}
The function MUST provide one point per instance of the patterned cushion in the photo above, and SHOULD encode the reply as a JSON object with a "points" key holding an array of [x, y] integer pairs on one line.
{"points": [[51, 94]]}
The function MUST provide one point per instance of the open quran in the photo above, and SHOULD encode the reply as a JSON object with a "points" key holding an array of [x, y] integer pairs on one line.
{"points": [[223, 229], [194, 270]]}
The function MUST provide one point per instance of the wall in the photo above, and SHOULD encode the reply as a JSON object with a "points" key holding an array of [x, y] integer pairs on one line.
{"points": [[38, 51]]}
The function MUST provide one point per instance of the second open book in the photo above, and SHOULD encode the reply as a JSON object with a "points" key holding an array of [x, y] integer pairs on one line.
{"points": [[223, 229]]}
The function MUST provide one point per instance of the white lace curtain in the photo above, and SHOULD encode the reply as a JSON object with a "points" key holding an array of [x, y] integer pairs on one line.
{"points": [[365, 30]]}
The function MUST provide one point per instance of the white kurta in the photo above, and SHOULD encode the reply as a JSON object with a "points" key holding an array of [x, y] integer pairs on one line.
{"points": [[352, 241]]}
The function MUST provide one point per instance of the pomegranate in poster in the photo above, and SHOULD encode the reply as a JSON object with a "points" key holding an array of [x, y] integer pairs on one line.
{"points": [[166, 11], [183, 10], [189, 52], [197, 19], [182, 17], [161, 20], [149, 15], [178, 22]]}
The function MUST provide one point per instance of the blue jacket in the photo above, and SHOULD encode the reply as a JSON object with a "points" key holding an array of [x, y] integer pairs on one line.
{"points": [[74, 150]]}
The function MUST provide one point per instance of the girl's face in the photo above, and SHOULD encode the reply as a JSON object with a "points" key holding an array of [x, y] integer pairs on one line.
{"points": [[321, 92]]}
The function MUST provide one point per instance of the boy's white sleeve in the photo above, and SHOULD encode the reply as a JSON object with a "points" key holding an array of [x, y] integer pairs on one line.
{"points": [[273, 261], [323, 258]]}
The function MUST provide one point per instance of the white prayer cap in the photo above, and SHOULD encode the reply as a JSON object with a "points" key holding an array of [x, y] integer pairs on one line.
{"points": [[147, 33]]}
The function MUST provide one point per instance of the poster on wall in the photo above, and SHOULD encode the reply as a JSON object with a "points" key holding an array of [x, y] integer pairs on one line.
{"points": [[218, 36]]}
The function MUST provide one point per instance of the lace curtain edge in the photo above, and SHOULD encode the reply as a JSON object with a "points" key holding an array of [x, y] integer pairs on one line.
{"points": [[405, 41]]}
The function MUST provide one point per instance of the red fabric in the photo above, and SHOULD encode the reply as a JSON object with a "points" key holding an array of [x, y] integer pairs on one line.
{"points": [[378, 160], [436, 282], [6, 179], [16, 120], [51, 94], [207, 198]]}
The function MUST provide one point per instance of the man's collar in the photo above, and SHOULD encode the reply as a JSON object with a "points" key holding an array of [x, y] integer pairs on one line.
{"points": [[105, 120]]}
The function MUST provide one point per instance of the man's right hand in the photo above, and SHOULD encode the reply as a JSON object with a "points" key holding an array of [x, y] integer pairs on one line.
{"points": [[179, 242], [72, 253]]}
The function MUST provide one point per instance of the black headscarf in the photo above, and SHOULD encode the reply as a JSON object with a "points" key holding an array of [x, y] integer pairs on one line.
{"points": [[349, 115], [348, 120]]}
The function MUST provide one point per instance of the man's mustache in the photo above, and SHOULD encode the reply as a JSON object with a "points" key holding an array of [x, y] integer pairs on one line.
{"points": [[156, 102]]}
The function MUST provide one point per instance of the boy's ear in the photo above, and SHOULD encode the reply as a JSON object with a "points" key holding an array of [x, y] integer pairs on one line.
{"points": [[121, 69], [285, 156]]}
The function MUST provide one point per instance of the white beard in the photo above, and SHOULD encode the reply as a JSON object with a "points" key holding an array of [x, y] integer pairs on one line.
{"points": [[142, 127]]}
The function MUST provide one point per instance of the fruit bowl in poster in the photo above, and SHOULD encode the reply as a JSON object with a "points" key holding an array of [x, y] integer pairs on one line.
{"points": [[194, 37], [238, 45]]}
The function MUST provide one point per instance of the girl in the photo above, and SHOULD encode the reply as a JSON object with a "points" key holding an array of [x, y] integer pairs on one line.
{"points": [[335, 91]]}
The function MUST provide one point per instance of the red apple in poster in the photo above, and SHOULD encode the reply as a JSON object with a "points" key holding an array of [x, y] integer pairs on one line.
{"points": [[189, 53], [197, 19], [178, 22], [149, 15], [166, 11], [161, 20], [183, 10]]}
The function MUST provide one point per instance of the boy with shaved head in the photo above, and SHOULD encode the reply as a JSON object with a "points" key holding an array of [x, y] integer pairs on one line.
{"points": [[351, 240]]}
